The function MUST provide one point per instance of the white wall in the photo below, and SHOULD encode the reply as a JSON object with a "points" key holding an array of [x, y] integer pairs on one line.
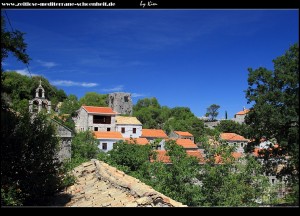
{"points": [[109, 142], [129, 129], [239, 145]]}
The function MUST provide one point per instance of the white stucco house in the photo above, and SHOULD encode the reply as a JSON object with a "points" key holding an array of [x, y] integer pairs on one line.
{"points": [[95, 118], [106, 140], [234, 139], [129, 127]]}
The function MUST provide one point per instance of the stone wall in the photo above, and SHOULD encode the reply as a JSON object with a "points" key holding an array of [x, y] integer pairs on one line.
{"points": [[121, 102]]}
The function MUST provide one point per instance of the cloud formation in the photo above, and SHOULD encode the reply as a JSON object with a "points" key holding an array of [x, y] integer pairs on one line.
{"points": [[72, 83], [134, 95], [47, 64], [114, 89]]}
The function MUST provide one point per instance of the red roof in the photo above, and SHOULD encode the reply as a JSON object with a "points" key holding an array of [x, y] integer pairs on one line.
{"points": [[99, 110], [243, 112], [139, 141], [107, 135], [235, 155], [163, 157], [197, 154], [233, 137], [186, 143], [154, 133], [183, 133]]}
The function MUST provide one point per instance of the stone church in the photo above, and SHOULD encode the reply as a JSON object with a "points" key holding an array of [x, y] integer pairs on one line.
{"points": [[40, 103]]}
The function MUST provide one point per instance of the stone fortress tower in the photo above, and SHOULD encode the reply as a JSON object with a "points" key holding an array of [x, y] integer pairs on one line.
{"points": [[121, 102]]}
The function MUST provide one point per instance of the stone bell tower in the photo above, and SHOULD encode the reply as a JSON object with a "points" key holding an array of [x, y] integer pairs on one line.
{"points": [[39, 102]]}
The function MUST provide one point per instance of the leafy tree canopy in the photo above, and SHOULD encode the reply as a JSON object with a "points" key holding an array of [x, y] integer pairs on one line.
{"points": [[212, 112], [275, 111]]}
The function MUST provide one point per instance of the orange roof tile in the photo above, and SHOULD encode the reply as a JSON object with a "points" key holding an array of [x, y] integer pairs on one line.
{"points": [[162, 156], [139, 141], [243, 112], [197, 154], [186, 143], [233, 137], [154, 133], [235, 155], [107, 135], [100, 110], [183, 133]]}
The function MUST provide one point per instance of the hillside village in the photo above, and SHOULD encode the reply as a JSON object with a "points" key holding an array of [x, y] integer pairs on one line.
{"points": [[102, 150], [110, 127]]}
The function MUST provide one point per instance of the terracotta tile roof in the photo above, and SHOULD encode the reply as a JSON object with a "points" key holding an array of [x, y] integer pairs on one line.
{"points": [[235, 155], [127, 120], [107, 135], [182, 133], [101, 185], [197, 154], [99, 110], [154, 133], [163, 157], [186, 143], [139, 141], [243, 112], [233, 137]]}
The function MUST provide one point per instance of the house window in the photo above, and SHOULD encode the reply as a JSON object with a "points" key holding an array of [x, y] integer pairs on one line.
{"points": [[134, 130], [108, 129], [122, 130], [104, 146], [95, 128], [101, 119], [273, 181]]}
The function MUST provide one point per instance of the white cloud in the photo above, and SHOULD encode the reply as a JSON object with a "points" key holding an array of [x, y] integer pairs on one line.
{"points": [[134, 95], [72, 83], [24, 72], [114, 89], [47, 64]]}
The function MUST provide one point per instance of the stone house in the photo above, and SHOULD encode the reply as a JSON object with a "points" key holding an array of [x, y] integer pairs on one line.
{"points": [[65, 139], [181, 135], [240, 116], [95, 118], [128, 126], [234, 139]]}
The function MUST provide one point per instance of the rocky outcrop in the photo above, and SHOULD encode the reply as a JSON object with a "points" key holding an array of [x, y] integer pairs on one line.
{"points": [[101, 185]]}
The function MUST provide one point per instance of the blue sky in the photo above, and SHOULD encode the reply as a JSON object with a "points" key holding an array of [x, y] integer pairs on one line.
{"points": [[191, 58]]}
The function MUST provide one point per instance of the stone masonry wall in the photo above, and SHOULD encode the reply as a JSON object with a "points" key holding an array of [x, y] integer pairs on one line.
{"points": [[121, 102]]}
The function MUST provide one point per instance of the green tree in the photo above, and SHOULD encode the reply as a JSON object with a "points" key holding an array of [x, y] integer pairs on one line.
{"points": [[17, 89], [28, 164], [229, 126], [70, 105], [275, 111], [12, 42], [230, 182], [94, 99], [129, 157], [212, 112]]}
